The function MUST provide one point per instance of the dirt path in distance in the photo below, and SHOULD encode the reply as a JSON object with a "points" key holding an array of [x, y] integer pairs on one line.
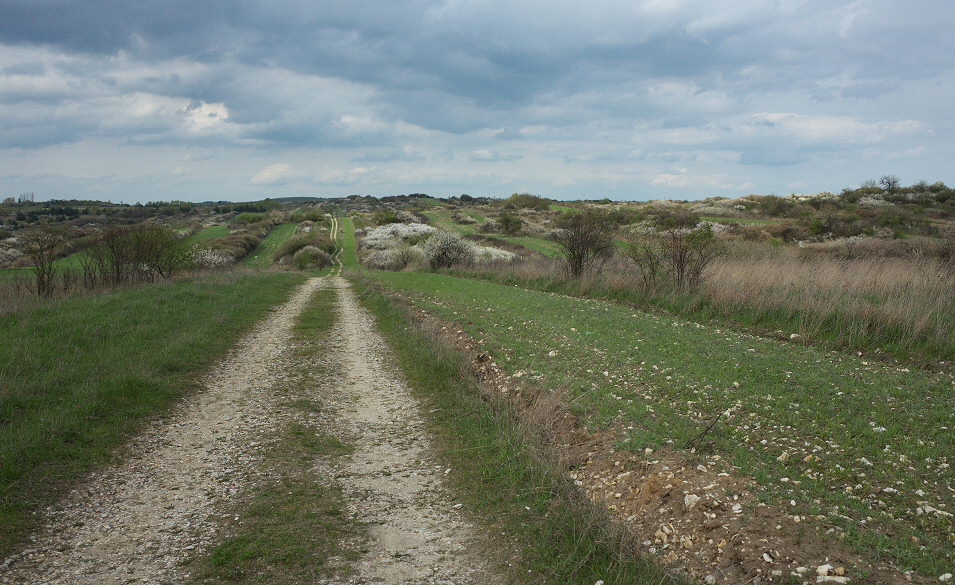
{"points": [[138, 521], [418, 532]]}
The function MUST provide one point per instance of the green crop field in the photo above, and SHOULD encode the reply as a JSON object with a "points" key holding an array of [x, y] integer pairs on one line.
{"points": [[844, 437]]}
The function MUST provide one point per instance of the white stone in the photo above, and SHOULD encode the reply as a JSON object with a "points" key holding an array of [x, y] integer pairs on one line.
{"points": [[691, 500]]}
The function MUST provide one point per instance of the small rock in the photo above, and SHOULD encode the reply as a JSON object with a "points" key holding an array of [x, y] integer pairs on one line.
{"points": [[691, 500], [802, 570], [823, 570], [767, 558], [831, 579], [710, 579], [945, 578]]}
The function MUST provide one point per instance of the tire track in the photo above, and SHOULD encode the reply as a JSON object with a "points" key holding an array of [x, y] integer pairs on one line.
{"points": [[418, 532], [139, 520]]}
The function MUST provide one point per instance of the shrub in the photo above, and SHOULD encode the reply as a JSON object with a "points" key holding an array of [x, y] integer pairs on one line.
{"points": [[585, 239], [310, 257], [42, 246], [126, 254], [463, 218], [391, 235], [676, 255], [395, 258], [319, 240], [526, 201], [489, 227], [444, 249], [510, 224], [385, 216]]}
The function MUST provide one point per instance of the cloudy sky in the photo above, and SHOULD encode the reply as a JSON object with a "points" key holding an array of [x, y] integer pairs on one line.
{"points": [[632, 99]]}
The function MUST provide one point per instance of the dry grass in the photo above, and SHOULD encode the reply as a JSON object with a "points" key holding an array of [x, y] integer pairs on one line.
{"points": [[902, 302], [902, 306]]}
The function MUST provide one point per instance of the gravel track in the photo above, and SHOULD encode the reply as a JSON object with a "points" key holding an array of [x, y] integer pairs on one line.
{"points": [[418, 532], [138, 521]]}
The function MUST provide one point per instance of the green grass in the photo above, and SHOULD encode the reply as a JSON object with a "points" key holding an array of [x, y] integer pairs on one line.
{"points": [[563, 539], [262, 256], [663, 378], [16, 274], [292, 527], [208, 233], [441, 219], [545, 247], [78, 376], [350, 256]]}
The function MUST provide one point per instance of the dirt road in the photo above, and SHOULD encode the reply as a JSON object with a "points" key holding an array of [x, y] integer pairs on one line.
{"points": [[139, 521]]}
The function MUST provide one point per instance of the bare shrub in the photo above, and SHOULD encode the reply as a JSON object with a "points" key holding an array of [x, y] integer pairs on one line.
{"points": [[126, 254], [585, 239], [42, 245]]}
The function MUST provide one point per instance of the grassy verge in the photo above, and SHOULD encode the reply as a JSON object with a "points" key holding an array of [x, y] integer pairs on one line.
{"points": [[16, 274], [563, 538], [350, 255], [293, 528], [262, 256], [208, 233], [78, 376], [863, 444]]}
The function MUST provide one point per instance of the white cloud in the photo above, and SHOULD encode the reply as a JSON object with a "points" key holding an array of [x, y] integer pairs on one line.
{"points": [[824, 128], [276, 174]]}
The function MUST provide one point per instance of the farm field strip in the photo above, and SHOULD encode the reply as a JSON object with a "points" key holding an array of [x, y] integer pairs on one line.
{"points": [[208, 233], [261, 257], [863, 445]]}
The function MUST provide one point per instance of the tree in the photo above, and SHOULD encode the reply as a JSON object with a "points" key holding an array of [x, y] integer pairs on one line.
{"points": [[43, 245], [889, 182], [585, 239]]}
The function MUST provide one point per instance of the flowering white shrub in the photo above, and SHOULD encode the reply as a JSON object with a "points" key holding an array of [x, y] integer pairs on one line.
{"points": [[488, 255], [207, 258], [395, 258], [393, 234], [444, 249]]}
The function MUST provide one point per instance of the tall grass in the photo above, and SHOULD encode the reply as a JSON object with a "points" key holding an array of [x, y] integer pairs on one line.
{"points": [[903, 307], [80, 374]]}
